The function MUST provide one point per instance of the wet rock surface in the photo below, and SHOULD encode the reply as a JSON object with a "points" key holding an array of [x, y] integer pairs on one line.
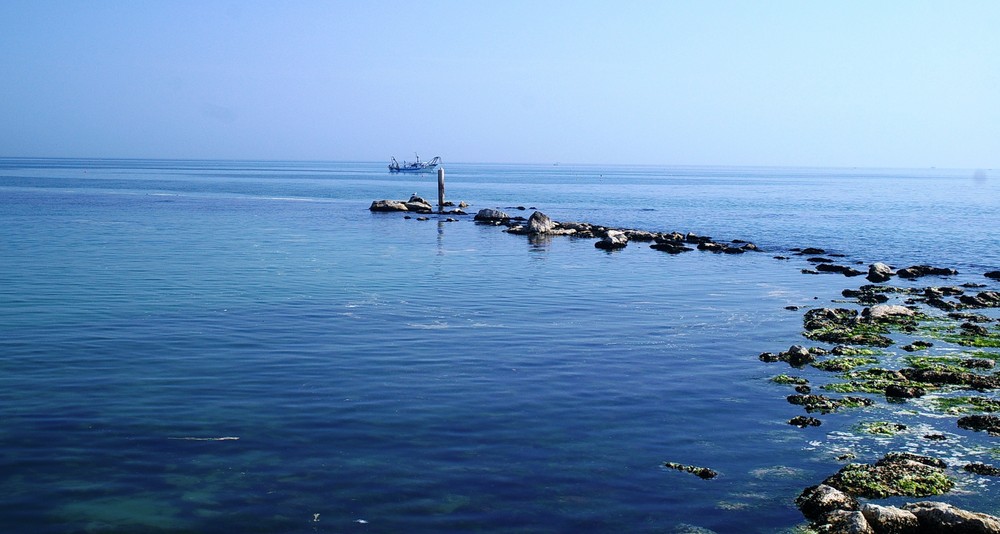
{"points": [[700, 472]]}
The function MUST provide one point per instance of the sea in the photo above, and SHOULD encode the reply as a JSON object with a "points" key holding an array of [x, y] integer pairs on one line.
{"points": [[242, 346]]}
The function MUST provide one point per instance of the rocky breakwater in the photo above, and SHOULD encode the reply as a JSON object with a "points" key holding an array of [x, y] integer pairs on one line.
{"points": [[608, 238]]}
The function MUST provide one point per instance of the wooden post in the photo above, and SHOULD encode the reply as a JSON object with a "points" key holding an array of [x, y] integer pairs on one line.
{"points": [[441, 189]]}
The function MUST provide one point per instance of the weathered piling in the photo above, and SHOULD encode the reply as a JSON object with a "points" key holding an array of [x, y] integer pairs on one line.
{"points": [[441, 189]]}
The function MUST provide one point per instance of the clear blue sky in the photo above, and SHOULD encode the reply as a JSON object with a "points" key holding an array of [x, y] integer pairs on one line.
{"points": [[852, 83]]}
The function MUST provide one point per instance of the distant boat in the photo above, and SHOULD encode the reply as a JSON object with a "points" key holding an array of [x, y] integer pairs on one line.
{"points": [[416, 166]]}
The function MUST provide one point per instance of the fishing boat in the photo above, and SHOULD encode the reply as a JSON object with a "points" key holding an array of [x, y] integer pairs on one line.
{"points": [[416, 166]]}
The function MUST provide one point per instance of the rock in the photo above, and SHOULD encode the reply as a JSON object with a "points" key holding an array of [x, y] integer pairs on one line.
{"points": [[840, 325], [842, 269], [867, 294], [388, 205], [695, 238], [824, 404], [419, 205], [983, 299], [977, 363], [702, 472], [943, 291], [940, 377], [488, 215], [995, 275], [879, 272], [802, 421], [819, 260], [670, 247], [988, 423], [796, 356], [641, 236], [889, 519], [941, 517], [917, 345], [614, 240], [887, 312], [815, 502], [812, 251], [918, 271], [818, 318], [899, 391], [846, 522], [540, 223], [983, 469], [896, 474]]}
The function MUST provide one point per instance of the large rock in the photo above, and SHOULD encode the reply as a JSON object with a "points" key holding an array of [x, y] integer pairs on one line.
{"points": [[419, 205], [917, 271], [888, 312], [879, 272], [489, 215], [817, 501], [614, 240], [540, 223], [845, 522], [941, 517], [889, 519], [896, 474], [388, 205], [987, 423]]}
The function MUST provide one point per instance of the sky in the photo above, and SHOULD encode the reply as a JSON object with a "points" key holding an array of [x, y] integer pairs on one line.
{"points": [[702, 82]]}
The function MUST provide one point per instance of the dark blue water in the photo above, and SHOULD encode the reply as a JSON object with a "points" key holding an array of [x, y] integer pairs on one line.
{"points": [[244, 347]]}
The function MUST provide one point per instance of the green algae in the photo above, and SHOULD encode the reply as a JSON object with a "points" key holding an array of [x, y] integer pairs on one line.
{"points": [[891, 478], [845, 350], [845, 363], [938, 363], [966, 404], [867, 334], [882, 428], [874, 380]]}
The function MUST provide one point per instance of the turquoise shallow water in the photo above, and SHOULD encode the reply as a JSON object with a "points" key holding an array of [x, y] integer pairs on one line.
{"points": [[393, 375]]}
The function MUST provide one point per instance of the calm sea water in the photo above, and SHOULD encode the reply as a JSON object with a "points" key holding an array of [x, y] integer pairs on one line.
{"points": [[243, 347]]}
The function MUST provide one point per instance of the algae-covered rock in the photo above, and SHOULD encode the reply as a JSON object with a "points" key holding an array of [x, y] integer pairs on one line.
{"points": [[841, 325], [824, 404], [896, 474]]}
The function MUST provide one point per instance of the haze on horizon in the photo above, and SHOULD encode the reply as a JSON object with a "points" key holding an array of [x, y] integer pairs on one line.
{"points": [[785, 83]]}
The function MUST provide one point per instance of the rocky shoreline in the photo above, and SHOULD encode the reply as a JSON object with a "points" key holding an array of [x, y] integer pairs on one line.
{"points": [[857, 352]]}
